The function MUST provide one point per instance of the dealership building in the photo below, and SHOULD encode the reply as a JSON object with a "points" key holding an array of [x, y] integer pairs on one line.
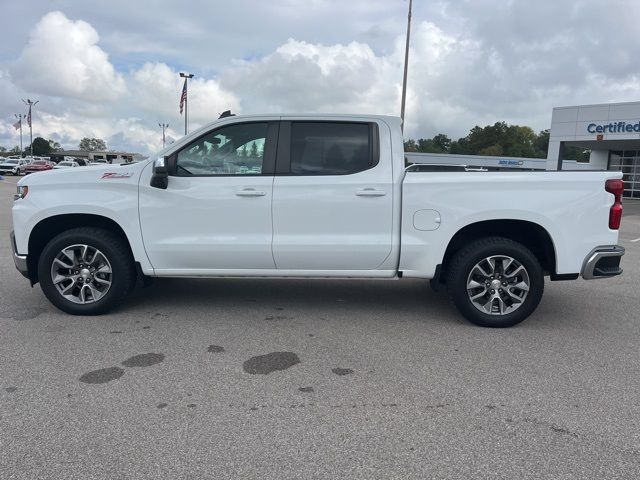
{"points": [[610, 131]]}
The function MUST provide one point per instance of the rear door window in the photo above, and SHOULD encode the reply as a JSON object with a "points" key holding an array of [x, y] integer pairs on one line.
{"points": [[331, 148]]}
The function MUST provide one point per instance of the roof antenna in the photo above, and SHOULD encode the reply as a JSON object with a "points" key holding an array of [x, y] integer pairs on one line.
{"points": [[226, 114]]}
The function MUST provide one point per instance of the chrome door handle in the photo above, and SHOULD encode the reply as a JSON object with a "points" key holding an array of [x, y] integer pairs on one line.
{"points": [[370, 192], [250, 192]]}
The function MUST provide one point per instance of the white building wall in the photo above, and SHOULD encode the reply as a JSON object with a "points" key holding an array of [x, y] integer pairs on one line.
{"points": [[572, 124], [599, 159]]}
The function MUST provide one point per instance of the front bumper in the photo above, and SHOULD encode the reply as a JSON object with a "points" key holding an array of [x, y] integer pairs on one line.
{"points": [[603, 262], [19, 260]]}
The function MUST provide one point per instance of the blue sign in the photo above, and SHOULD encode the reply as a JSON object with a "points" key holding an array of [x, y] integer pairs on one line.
{"points": [[511, 163], [614, 127]]}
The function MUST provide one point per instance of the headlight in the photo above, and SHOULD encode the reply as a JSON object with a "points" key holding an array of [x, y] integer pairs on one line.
{"points": [[22, 191]]}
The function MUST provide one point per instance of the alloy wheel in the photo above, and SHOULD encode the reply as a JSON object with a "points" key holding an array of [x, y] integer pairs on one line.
{"points": [[498, 285], [81, 273]]}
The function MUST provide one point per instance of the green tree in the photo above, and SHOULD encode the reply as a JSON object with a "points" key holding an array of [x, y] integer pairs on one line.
{"points": [[40, 147], [410, 146], [541, 144], [442, 141], [55, 146], [576, 153], [499, 139], [254, 151], [492, 151], [92, 144]]}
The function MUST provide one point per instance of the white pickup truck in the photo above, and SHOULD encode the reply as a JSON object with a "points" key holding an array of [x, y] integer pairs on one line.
{"points": [[326, 196]]}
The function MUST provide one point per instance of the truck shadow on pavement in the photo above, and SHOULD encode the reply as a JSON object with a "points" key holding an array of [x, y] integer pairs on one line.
{"points": [[407, 298]]}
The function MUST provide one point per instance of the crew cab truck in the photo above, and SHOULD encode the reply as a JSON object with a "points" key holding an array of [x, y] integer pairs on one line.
{"points": [[314, 196], [14, 166]]}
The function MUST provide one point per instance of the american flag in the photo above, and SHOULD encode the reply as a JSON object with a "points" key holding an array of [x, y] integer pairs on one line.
{"points": [[183, 97], [29, 116], [17, 125]]}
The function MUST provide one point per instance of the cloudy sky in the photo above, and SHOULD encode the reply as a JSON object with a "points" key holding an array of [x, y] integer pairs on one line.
{"points": [[109, 69]]}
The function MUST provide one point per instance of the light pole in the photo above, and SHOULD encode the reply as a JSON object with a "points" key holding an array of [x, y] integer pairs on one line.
{"points": [[406, 65], [20, 116], [163, 126], [31, 103], [184, 101]]}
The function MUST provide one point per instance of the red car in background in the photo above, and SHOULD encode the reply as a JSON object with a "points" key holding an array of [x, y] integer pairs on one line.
{"points": [[38, 166]]}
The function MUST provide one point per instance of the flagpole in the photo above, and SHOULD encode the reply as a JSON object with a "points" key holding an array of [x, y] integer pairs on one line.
{"points": [[186, 77], [163, 126], [31, 103], [186, 106], [19, 117], [406, 65]]}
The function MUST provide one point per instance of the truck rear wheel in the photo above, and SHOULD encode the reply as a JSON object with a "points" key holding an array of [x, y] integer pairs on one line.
{"points": [[86, 271], [495, 282]]}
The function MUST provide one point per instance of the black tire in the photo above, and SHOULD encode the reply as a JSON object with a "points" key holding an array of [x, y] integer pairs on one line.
{"points": [[112, 247], [465, 260], [436, 286]]}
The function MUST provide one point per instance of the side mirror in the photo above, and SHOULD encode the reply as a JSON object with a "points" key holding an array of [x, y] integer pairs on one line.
{"points": [[160, 177]]}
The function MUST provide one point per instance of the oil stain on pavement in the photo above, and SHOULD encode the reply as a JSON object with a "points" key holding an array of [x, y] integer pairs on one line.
{"points": [[103, 375], [342, 371], [20, 314], [271, 362], [144, 360], [215, 349]]}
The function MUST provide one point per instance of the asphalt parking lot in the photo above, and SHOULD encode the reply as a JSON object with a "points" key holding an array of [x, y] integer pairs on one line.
{"points": [[364, 379]]}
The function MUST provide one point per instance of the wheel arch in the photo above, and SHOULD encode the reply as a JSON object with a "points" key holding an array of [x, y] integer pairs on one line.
{"points": [[532, 235], [49, 227]]}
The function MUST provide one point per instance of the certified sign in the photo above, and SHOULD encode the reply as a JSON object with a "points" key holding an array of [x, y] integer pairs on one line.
{"points": [[614, 127]]}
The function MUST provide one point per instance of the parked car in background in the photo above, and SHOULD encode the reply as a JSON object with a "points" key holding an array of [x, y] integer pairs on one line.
{"points": [[38, 166], [66, 164], [97, 162], [14, 166]]}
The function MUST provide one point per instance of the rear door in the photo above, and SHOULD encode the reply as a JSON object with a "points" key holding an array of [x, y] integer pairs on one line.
{"points": [[332, 196]]}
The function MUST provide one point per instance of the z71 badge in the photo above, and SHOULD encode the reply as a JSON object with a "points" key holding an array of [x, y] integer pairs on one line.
{"points": [[111, 175]]}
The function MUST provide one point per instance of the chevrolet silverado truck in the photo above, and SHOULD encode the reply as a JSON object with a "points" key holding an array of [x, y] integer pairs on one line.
{"points": [[14, 166], [314, 196]]}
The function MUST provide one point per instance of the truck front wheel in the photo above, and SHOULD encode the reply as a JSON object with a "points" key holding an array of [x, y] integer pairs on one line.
{"points": [[86, 271], [495, 282]]}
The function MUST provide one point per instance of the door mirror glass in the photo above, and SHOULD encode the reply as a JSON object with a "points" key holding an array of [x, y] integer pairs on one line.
{"points": [[160, 177]]}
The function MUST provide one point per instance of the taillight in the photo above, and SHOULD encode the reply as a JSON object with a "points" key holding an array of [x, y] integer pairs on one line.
{"points": [[615, 187]]}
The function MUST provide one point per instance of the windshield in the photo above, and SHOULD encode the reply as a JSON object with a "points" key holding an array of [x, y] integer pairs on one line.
{"points": [[12, 162], [39, 162]]}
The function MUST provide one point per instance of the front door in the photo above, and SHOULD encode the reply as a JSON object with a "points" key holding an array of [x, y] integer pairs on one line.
{"points": [[216, 211]]}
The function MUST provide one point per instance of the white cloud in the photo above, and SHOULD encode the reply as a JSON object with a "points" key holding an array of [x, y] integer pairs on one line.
{"points": [[62, 59], [472, 63], [300, 76], [156, 88]]}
